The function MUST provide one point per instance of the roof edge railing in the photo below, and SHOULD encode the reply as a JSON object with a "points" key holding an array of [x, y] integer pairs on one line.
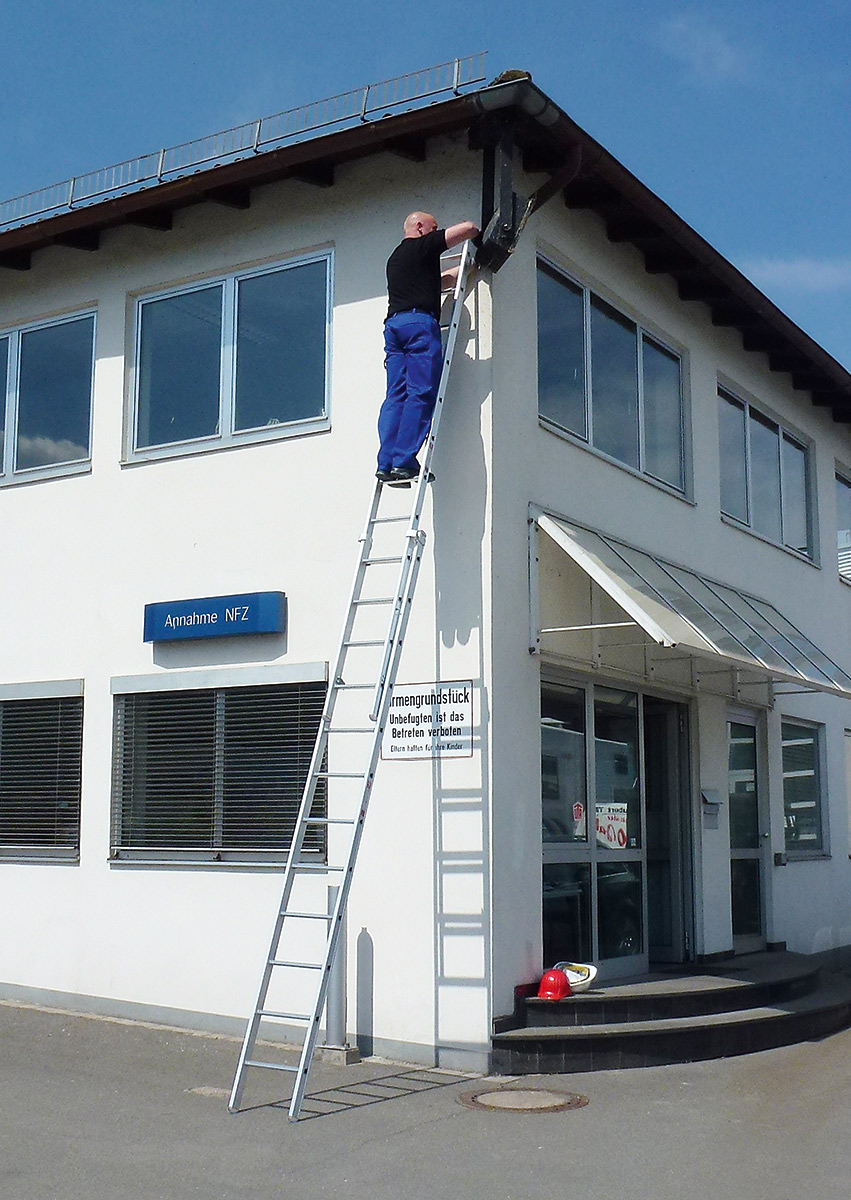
{"points": [[255, 137]]}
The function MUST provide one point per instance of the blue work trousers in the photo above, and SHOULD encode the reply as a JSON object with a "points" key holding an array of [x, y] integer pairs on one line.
{"points": [[414, 359]]}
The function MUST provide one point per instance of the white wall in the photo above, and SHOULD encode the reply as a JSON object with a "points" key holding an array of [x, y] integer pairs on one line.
{"points": [[810, 902], [446, 903], [83, 555]]}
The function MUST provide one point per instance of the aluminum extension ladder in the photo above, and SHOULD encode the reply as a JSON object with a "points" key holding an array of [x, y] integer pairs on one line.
{"points": [[363, 713]]}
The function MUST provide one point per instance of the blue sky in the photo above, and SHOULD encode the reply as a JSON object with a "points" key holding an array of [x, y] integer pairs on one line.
{"points": [[735, 114]]}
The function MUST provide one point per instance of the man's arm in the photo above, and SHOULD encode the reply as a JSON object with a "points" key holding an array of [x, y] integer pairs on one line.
{"points": [[456, 234]]}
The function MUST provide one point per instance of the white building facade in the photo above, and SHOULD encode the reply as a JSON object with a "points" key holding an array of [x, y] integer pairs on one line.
{"points": [[192, 377]]}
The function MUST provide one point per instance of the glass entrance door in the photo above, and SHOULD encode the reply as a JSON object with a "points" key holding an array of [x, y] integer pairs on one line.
{"points": [[618, 827], [611, 776], [746, 841], [666, 768]]}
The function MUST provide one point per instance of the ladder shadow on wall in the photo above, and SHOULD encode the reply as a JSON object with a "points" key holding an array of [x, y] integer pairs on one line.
{"points": [[461, 883]]}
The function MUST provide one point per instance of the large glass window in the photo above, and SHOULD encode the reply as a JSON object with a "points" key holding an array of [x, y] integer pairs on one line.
{"points": [[179, 367], [238, 359], [765, 480], [843, 526], [213, 773], [4, 387], [802, 788], [745, 842], [618, 800], [614, 383], [46, 375], [564, 806], [594, 888], [567, 912], [733, 455], [40, 776], [604, 379], [561, 352]]}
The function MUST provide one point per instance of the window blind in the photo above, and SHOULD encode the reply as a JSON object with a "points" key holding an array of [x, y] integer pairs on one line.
{"points": [[217, 771], [41, 745]]}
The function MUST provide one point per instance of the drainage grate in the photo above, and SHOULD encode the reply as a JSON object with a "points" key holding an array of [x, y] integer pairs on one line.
{"points": [[540, 1100]]}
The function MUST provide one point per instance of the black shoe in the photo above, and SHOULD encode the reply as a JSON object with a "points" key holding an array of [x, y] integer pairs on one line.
{"points": [[383, 476], [399, 477]]}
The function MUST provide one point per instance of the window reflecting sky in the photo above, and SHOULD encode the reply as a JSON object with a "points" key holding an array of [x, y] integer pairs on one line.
{"points": [[843, 526], [54, 394], [614, 383], [795, 523], [765, 477], [731, 432], [280, 352], [4, 367], [663, 443], [180, 367], [561, 352]]}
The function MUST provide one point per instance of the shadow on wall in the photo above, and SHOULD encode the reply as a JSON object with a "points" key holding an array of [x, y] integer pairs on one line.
{"points": [[214, 652], [365, 952], [459, 495], [461, 884]]}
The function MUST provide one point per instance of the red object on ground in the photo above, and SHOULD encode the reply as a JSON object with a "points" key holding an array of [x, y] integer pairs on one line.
{"points": [[554, 985]]}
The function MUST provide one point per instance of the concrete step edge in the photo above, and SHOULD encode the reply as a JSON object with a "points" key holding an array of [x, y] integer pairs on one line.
{"points": [[831, 995]]}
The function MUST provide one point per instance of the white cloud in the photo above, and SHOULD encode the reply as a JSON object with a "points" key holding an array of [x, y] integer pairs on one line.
{"points": [[800, 274], [45, 451], [704, 49]]}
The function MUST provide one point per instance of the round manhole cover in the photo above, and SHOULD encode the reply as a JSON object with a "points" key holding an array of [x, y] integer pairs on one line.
{"points": [[524, 1100]]}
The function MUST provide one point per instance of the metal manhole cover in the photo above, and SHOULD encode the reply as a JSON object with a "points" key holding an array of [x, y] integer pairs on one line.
{"points": [[524, 1100]]}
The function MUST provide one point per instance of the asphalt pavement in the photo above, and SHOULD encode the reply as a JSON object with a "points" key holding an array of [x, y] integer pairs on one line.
{"points": [[99, 1109]]}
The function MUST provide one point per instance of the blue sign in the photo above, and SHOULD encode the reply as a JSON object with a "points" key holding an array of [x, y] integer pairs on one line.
{"points": [[216, 616]]}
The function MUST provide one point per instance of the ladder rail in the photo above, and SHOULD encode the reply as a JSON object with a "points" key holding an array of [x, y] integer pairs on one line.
{"points": [[309, 1044], [302, 820], [391, 652]]}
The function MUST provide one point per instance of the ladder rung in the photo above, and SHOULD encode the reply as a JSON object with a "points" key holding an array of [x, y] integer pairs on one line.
{"points": [[341, 729], [254, 1062], [374, 562], [329, 821], [280, 962], [316, 867], [388, 520], [376, 600], [339, 774], [282, 1016], [373, 642], [309, 916], [353, 686]]}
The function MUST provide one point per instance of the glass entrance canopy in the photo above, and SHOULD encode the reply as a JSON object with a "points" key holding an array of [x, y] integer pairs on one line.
{"points": [[681, 609]]}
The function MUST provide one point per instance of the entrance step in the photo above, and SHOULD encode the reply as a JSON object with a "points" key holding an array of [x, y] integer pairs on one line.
{"points": [[688, 1019], [747, 982]]}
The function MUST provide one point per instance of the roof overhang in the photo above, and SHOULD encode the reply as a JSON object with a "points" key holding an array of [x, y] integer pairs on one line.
{"points": [[620, 607], [547, 137]]}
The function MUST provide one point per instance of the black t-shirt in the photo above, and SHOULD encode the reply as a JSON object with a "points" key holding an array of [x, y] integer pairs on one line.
{"points": [[413, 274]]}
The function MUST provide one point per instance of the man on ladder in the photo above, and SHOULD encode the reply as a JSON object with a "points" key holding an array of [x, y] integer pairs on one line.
{"points": [[412, 347]]}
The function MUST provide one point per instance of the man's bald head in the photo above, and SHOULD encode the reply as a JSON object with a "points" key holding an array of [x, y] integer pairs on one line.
{"points": [[418, 224]]}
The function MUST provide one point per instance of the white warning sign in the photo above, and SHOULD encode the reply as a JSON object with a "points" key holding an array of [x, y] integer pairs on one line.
{"points": [[430, 720]]}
